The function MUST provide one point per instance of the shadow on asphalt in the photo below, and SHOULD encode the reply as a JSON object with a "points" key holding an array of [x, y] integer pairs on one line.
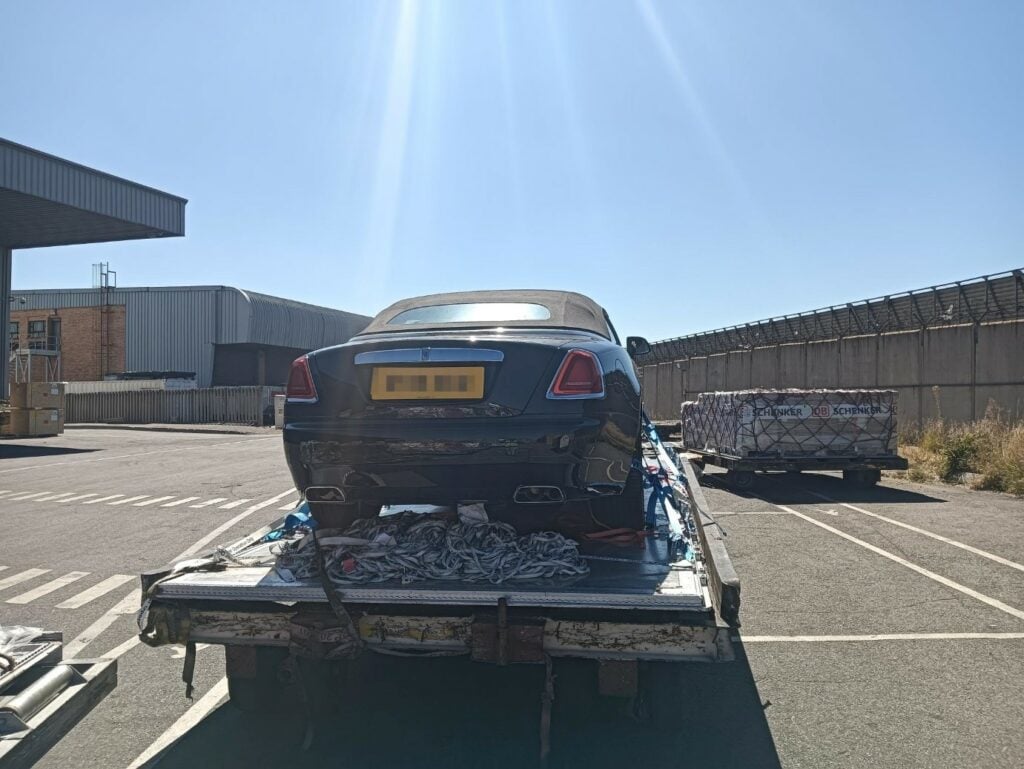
{"points": [[784, 488], [21, 450], [454, 713]]}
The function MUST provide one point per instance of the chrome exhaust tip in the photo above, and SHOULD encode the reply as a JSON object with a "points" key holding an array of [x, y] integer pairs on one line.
{"points": [[538, 495], [324, 494]]}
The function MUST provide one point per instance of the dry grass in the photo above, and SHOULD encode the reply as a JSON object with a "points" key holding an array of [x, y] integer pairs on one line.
{"points": [[990, 452]]}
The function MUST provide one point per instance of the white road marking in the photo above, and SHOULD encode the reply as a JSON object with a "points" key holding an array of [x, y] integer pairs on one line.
{"points": [[177, 502], [3, 568], [53, 497], [97, 590], [196, 713], [994, 603], [131, 602], [24, 576], [932, 534], [752, 512], [80, 496], [5, 492], [178, 650], [291, 505], [233, 505], [126, 500], [102, 499], [133, 456], [48, 587], [29, 495], [153, 501], [122, 649], [209, 502], [228, 524], [761, 639], [127, 605]]}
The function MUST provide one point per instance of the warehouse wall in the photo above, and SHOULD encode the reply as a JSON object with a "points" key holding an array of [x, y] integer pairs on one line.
{"points": [[952, 371]]}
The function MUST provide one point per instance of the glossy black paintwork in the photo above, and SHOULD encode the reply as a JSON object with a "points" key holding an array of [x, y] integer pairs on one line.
{"points": [[444, 452]]}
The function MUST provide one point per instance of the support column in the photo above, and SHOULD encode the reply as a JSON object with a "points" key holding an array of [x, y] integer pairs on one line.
{"points": [[5, 319]]}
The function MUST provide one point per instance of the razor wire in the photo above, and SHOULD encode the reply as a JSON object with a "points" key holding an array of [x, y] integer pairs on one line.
{"points": [[792, 422], [410, 548]]}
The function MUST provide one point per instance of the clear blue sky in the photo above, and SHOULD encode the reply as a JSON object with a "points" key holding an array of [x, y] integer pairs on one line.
{"points": [[742, 159]]}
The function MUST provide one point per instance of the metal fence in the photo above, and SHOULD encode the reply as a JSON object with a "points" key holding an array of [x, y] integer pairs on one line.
{"points": [[978, 300], [223, 405]]}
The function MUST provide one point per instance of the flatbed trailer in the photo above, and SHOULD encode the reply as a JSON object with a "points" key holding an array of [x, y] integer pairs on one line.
{"points": [[858, 469], [636, 610]]}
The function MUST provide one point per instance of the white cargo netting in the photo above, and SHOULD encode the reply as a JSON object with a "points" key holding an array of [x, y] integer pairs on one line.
{"points": [[792, 422]]}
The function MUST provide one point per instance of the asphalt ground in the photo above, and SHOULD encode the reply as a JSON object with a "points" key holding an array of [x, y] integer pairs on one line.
{"points": [[864, 643]]}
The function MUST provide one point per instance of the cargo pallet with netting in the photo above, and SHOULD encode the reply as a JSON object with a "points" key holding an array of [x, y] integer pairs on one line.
{"points": [[750, 431]]}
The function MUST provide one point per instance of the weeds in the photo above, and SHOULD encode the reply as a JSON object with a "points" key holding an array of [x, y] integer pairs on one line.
{"points": [[990, 452]]}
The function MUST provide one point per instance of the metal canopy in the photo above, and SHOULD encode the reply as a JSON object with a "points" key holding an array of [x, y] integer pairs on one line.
{"points": [[48, 201]]}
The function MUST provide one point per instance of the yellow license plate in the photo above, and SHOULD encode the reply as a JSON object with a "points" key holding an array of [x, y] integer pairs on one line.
{"points": [[427, 383]]}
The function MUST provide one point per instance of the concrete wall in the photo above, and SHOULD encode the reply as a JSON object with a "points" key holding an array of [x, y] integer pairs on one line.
{"points": [[953, 371]]}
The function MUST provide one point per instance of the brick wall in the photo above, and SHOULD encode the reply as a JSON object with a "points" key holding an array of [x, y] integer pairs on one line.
{"points": [[81, 345]]}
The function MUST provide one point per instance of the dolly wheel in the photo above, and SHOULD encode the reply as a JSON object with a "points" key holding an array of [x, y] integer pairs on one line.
{"points": [[740, 479]]}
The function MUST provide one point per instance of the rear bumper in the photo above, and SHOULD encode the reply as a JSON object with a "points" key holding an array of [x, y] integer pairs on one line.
{"points": [[446, 461]]}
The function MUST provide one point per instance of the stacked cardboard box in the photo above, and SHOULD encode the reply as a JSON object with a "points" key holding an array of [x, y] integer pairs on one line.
{"points": [[37, 409], [792, 422]]}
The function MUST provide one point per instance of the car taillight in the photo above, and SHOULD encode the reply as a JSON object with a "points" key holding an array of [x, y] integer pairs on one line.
{"points": [[579, 376], [300, 382]]}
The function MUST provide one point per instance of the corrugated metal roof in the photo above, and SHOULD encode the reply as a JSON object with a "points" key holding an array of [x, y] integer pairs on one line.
{"points": [[176, 327], [59, 298], [49, 201]]}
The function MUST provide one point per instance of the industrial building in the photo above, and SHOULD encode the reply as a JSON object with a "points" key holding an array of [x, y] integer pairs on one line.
{"points": [[217, 335]]}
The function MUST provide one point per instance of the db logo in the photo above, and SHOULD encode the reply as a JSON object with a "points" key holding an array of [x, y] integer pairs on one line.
{"points": [[822, 411]]}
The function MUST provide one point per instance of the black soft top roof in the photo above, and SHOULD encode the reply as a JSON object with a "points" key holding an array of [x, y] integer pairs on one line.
{"points": [[568, 310]]}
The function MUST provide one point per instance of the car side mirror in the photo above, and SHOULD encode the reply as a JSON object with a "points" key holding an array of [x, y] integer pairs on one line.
{"points": [[637, 345]]}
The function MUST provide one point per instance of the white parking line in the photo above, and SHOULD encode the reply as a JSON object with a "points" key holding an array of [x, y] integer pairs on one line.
{"points": [[131, 602], [932, 534], [102, 499], [752, 512], [29, 495], [994, 603], [153, 501], [291, 505], [127, 605], [233, 505], [24, 576], [5, 492], [23, 468], [48, 587], [122, 649], [126, 500], [209, 502], [762, 639], [53, 497], [97, 590], [196, 713], [3, 568], [80, 496], [228, 524], [177, 502]]}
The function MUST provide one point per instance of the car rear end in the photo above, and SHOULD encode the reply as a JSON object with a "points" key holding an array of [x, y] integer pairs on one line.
{"points": [[437, 418]]}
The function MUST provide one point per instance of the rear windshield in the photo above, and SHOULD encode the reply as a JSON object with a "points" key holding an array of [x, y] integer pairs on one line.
{"points": [[473, 312]]}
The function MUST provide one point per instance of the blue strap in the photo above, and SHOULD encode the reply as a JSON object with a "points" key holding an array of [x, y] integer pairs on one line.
{"points": [[300, 516]]}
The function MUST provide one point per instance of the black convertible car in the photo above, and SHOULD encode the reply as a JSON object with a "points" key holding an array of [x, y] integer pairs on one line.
{"points": [[524, 400]]}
